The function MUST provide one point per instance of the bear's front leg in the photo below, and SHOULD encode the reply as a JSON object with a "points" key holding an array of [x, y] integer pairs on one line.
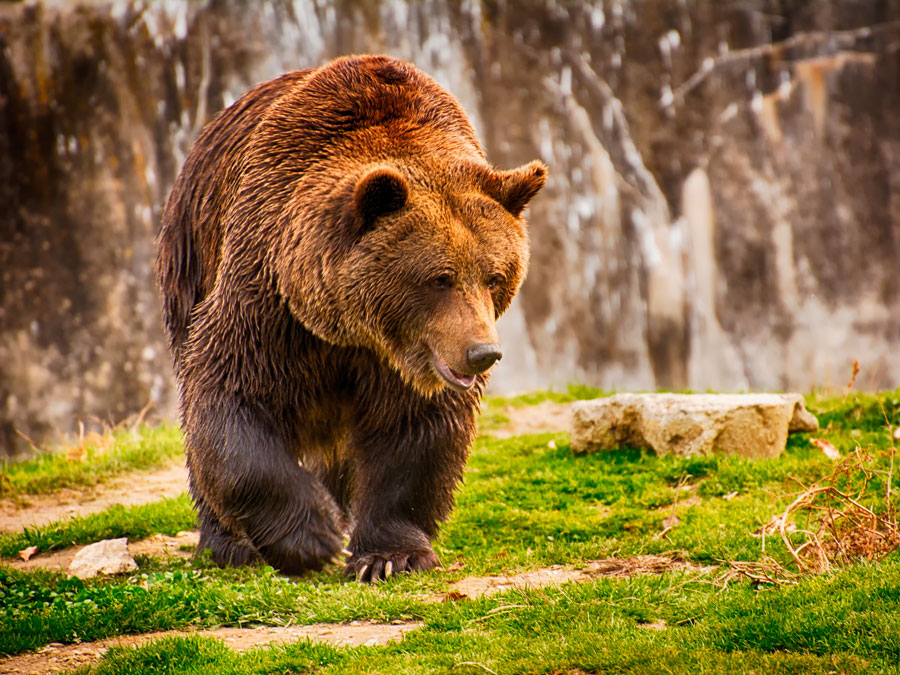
{"points": [[408, 467], [242, 472]]}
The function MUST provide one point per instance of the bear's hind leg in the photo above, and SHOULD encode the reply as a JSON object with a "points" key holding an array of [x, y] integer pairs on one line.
{"points": [[228, 550]]}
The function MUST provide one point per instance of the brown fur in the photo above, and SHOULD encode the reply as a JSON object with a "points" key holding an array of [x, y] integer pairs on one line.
{"points": [[332, 235]]}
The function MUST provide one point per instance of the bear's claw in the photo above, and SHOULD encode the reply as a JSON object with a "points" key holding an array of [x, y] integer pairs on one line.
{"points": [[375, 567]]}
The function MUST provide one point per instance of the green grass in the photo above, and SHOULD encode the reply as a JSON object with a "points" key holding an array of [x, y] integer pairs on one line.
{"points": [[574, 392], [98, 458], [846, 622], [525, 503]]}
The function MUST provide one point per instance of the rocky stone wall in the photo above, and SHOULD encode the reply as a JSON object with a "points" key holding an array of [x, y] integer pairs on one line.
{"points": [[723, 209]]}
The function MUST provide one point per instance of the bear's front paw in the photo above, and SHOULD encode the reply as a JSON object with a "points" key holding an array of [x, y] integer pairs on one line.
{"points": [[304, 550], [371, 567]]}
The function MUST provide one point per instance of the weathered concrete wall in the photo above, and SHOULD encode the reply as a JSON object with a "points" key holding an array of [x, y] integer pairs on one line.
{"points": [[723, 209]]}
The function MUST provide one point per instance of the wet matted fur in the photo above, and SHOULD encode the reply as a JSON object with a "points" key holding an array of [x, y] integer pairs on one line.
{"points": [[332, 259]]}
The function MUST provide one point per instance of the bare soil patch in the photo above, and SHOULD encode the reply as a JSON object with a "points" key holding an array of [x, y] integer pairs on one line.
{"points": [[57, 657], [534, 419], [476, 587], [132, 489]]}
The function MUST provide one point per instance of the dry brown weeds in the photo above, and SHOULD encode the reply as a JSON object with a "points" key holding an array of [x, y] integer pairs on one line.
{"points": [[840, 519]]}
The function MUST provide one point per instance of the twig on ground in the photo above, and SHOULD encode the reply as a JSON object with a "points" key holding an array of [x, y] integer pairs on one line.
{"points": [[765, 571]]}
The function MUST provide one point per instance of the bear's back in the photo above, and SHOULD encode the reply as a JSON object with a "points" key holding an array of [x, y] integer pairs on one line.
{"points": [[190, 238]]}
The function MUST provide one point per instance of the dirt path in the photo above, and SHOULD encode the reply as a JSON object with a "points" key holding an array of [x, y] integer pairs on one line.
{"points": [[534, 419], [56, 657], [130, 489]]}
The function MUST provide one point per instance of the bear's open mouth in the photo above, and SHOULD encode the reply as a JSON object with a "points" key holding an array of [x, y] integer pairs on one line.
{"points": [[451, 376]]}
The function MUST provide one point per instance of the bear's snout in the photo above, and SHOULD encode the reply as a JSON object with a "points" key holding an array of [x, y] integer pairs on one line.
{"points": [[481, 357], [478, 359]]}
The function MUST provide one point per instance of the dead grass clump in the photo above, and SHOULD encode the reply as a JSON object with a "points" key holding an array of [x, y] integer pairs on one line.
{"points": [[842, 518]]}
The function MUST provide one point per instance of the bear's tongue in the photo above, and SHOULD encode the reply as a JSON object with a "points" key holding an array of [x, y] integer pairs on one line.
{"points": [[452, 377]]}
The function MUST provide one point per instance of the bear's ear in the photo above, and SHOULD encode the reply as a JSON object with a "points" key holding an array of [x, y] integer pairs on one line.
{"points": [[379, 192], [515, 188]]}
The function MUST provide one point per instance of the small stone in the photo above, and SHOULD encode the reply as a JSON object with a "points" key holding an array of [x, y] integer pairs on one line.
{"points": [[26, 553], [802, 421], [659, 624], [109, 556], [749, 425]]}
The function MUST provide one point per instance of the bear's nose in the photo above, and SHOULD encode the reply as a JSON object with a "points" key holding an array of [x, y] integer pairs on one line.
{"points": [[482, 357]]}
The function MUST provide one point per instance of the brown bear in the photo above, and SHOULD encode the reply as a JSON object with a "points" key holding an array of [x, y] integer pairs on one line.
{"points": [[332, 260]]}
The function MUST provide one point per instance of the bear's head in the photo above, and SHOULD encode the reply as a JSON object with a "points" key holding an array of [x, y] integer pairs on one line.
{"points": [[436, 257], [397, 235]]}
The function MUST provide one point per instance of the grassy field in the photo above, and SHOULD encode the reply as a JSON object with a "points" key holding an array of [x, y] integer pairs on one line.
{"points": [[748, 603], [94, 459]]}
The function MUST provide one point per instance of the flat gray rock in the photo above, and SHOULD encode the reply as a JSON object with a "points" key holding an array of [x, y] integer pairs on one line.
{"points": [[749, 425], [109, 556]]}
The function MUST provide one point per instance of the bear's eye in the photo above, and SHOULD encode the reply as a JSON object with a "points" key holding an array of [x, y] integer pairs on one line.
{"points": [[495, 282], [442, 281]]}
